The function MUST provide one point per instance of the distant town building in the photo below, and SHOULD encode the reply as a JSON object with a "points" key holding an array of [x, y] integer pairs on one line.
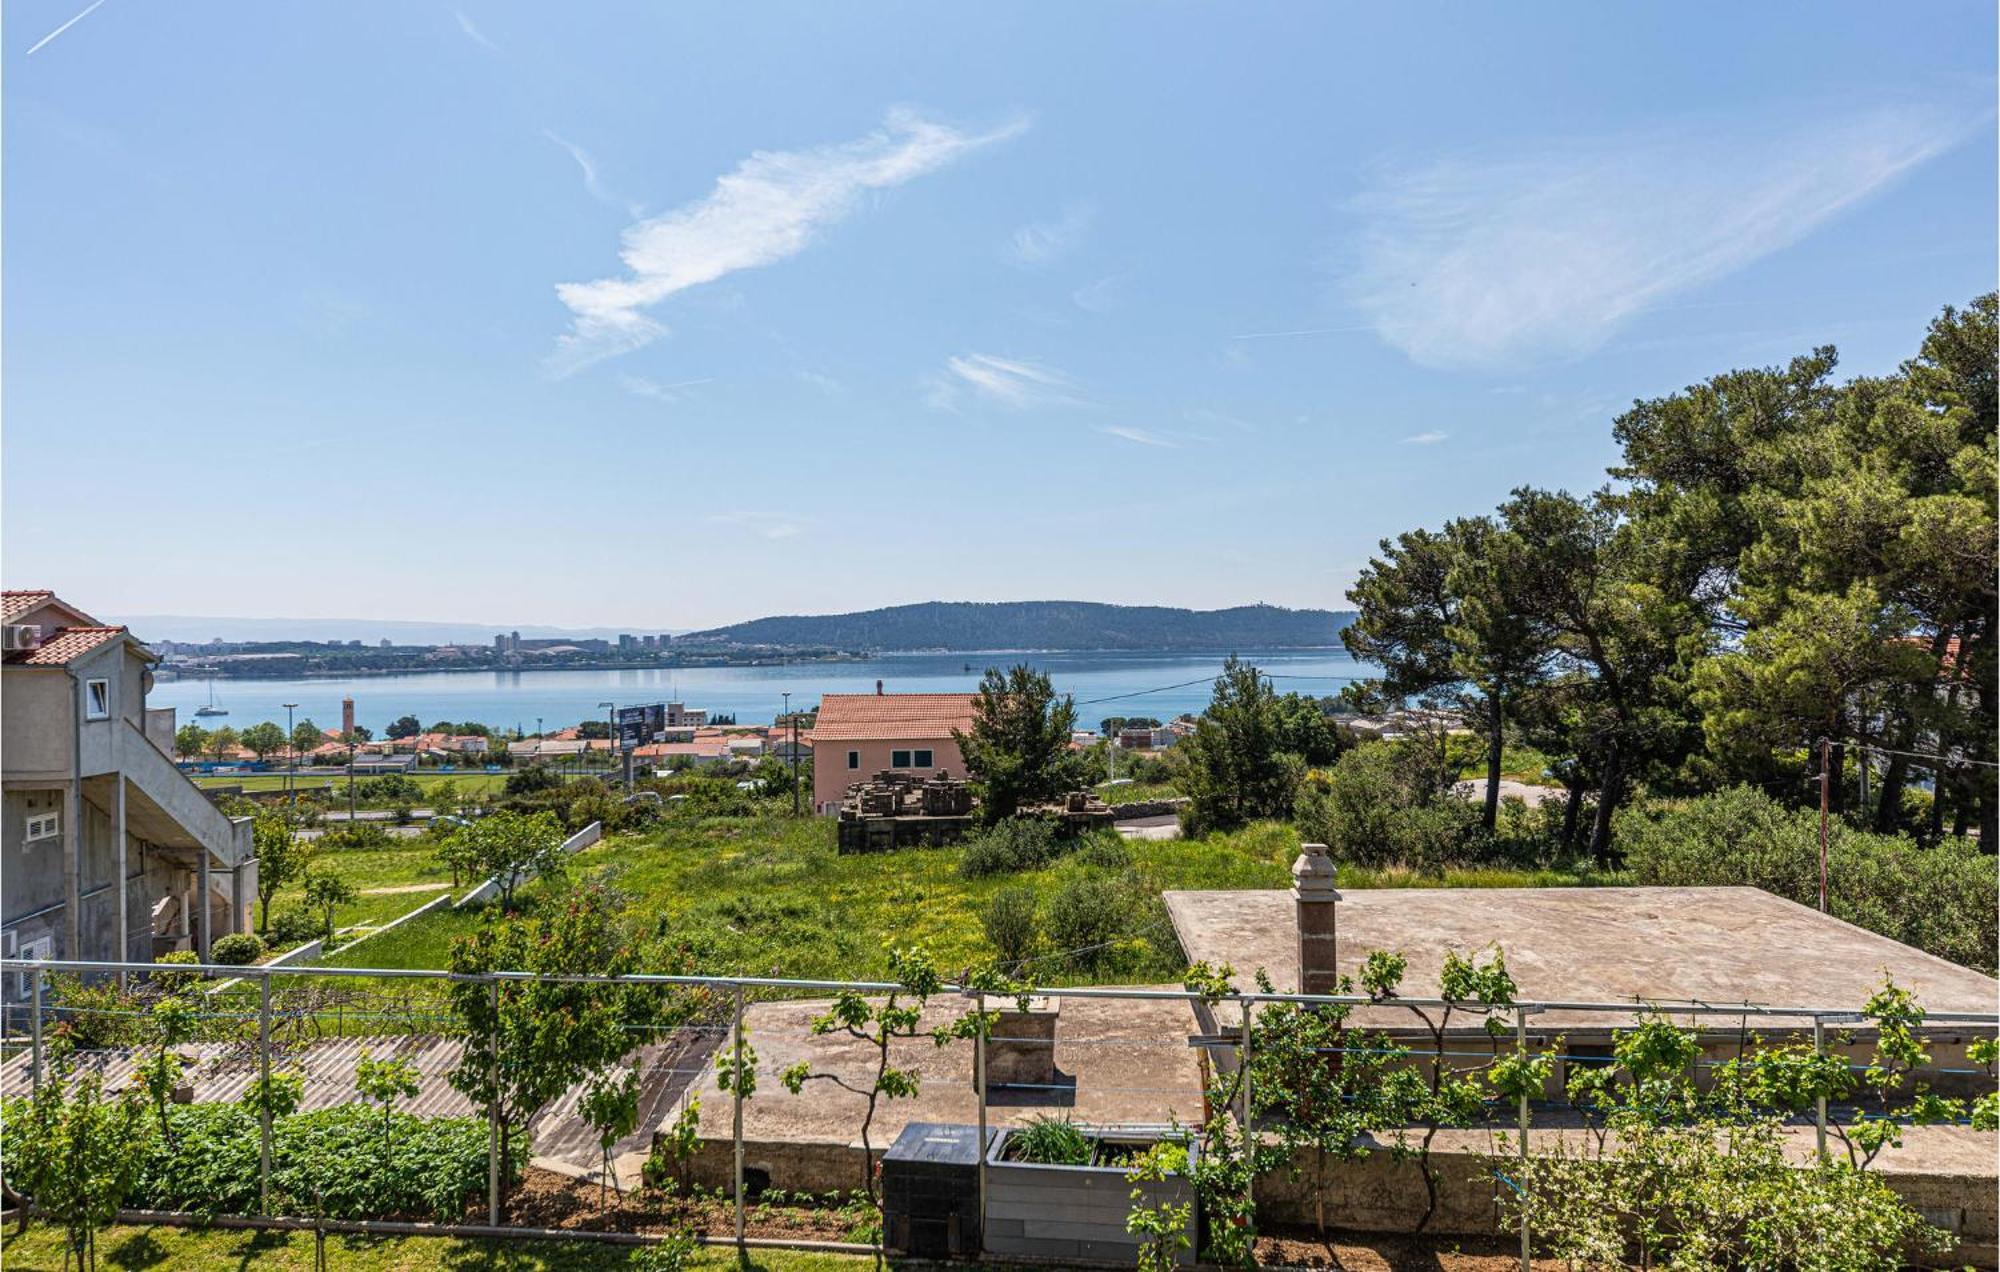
{"points": [[109, 852], [347, 717], [860, 734]]}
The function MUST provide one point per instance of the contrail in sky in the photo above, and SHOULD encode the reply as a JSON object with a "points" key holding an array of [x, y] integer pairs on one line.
{"points": [[88, 10]]}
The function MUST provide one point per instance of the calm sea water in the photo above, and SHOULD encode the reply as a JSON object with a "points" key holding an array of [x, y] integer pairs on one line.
{"points": [[1162, 685]]}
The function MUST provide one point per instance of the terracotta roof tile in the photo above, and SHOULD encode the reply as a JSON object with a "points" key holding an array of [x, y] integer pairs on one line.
{"points": [[18, 603], [63, 646], [860, 717]]}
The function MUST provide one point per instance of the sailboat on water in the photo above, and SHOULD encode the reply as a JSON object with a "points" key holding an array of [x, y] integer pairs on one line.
{"points": [[211, 709]]}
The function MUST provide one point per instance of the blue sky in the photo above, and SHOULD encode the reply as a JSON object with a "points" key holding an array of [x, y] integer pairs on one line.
{"points": [[666, 315]]}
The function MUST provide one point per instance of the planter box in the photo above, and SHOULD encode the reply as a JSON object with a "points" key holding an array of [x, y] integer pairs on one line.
{"points": [[1076, 1214]]}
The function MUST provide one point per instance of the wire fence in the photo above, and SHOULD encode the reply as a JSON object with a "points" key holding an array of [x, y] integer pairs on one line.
{"points": [[1112, 1056]]}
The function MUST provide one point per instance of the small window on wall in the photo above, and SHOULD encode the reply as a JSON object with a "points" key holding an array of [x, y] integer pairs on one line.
{"points": [[899, 759], [854, 759], [43, 826], [920, 759], [97, 699]]}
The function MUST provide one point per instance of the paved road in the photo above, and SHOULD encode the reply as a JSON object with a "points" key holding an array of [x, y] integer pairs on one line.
{"points": [[1532, 796]]}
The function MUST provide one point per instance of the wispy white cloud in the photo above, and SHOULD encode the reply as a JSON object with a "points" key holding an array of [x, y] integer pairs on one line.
{"points": [[770, 208], [592, 181], [1425, 439], [1139, 435], [829, 385], [1100, 296], [473, 33], [1008, 381], [1494, 262], [640, 386], [1039, 242]]}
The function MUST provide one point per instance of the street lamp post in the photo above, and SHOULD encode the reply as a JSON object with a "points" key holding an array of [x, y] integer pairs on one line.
{"points": [[610, 710], [291, 759]]}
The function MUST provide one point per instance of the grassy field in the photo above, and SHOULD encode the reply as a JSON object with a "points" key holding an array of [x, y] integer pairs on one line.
{"points": [[769, 896], [195, 1250], [1518, 763], [1137, 792], [371, 871], [467, 783]]}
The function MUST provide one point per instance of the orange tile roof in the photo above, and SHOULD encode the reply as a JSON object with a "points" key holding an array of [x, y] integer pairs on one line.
{"points": [[13, 604], [863, 717], [63, 646]]}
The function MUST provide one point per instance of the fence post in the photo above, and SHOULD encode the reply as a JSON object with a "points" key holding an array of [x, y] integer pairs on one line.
{"points": [[979, 1075], [35, 1034], [736, 1116], [264, 1075], [1243, 1078], [493, 1113], [1521, 1041], [1819, 1110]]}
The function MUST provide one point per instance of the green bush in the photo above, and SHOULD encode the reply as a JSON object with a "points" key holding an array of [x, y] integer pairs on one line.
{"points": [[237, 949], [171, 981], [330, 1159], [1105, 851], [295, 923], [388, 789], [1942, 900], [1009, 847], [93, 1015], [1389, 803], [355, 837], [535, 777], [1010, 923], [1085, 913]]}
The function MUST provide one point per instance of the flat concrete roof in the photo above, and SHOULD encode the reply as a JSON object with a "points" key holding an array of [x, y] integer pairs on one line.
{"points": [[1117, 1062], [1658, 945]]}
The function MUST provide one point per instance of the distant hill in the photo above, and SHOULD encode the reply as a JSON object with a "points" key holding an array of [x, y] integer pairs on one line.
{"points": [[196, 629], [1039, 625]]}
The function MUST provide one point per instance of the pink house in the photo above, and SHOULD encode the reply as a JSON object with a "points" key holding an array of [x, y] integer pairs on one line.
{"points": [[858, 735]]}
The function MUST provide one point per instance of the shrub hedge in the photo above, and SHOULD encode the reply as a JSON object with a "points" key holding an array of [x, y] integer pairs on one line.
{"points": [[1942, 900], [331, 1161]]}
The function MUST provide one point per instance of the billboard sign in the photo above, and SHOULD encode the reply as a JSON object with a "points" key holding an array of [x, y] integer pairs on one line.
{"points": [[638, 726]]}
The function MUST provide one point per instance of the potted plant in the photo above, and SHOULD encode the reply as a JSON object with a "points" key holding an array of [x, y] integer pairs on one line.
{"points": [[1058, 1189]]}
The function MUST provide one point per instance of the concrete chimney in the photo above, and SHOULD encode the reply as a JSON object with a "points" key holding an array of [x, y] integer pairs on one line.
{"points": [[1315, 901]]}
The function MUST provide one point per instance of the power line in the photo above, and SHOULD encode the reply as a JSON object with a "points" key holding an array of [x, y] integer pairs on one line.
{"points": [[1919, 755]]}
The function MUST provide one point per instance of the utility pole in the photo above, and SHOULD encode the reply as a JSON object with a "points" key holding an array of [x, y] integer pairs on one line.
{"points": [[292, 759], [792, 757], [1825, 787]]}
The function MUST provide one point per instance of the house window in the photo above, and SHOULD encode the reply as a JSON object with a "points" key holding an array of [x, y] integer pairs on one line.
{"points": [[854, 759], [920, 759], [97, 699], [43, 826], [899, 759]]}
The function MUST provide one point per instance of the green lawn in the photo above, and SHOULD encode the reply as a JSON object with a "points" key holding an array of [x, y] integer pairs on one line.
{"points": [[467, 783], [411, 862], [1137, 792], [165, 1249], [769, 896], [1518, 763]]}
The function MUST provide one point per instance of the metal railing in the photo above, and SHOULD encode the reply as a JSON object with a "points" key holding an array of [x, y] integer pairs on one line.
{"points": [[739, 993]]}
